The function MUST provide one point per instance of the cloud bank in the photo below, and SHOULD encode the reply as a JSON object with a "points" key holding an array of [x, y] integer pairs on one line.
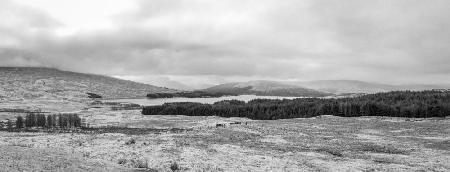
{"points": [[201, 41]]}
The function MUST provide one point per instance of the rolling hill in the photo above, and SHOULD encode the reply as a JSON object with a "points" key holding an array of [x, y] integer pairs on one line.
{"points": [[264, 88], [345, 86], [354, 86], [19, 83]]}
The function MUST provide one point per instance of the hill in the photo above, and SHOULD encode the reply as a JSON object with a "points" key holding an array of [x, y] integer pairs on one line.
{"points": [[264, 88], [354, 86], [22, 83], [345, 86]]}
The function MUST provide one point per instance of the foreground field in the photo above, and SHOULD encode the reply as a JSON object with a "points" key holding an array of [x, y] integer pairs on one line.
{"points": [[325, 143]]}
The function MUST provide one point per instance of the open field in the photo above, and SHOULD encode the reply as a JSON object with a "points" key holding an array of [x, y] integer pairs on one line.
{"points": [[325, 143]]}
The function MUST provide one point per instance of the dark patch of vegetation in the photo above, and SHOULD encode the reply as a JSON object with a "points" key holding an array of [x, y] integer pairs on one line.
{"points": [[333, 151], [20, 110], [122, 161], [9, 125], [421, 104], [69, 120], [140, 163], [19, 122], [277, 90], [126, 106], [174, 166], [441, 145], [132, 141], [94, 96], [375, 148], [231, 90], [192, 94], [48, 121], [101, 130]]}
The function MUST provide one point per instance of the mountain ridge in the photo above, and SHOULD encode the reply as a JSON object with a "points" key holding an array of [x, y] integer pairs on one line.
{"points": [[264, 88], [330, 87]]}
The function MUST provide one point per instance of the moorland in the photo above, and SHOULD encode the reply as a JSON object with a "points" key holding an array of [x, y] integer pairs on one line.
{"points": [[63, 128]]}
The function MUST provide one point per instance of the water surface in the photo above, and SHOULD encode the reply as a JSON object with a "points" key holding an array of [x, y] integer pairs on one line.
{"points": [[160, 101]]}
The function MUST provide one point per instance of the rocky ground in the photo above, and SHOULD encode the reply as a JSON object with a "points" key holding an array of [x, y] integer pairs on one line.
{"points": [[325, 143]]}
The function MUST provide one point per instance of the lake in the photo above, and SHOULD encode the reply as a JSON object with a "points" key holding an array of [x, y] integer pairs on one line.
{"points": [[160, 101]]}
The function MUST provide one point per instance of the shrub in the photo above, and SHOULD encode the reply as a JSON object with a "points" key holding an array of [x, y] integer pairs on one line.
{"points": [[93, 95], [131, 141], [141, 164], [174, 166], [122, 161]]}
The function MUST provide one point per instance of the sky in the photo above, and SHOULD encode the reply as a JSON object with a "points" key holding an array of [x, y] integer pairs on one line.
{"points": [[198, 43]]}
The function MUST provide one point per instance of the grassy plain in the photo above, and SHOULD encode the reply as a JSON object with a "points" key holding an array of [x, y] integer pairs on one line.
{"points": [[324, 143]]}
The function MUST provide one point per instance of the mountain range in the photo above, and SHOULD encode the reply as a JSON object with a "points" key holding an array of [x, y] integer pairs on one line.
{"points": [[18, 83]]}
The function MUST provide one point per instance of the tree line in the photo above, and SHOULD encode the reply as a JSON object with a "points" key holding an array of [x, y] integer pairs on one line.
{"points": [[48, 121], [191, 94], [413, 104]]}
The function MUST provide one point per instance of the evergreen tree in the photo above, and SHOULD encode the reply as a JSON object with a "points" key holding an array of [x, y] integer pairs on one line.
{"points": [[19, 122], [9, 125], [49, 121], [30, 120], [40, 120]]}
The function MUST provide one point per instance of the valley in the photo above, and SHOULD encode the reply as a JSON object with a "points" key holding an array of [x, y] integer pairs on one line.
{"points": [[116, 136]]}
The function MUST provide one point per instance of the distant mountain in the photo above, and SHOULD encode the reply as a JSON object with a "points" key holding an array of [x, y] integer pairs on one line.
{"points": [[354, 86], [21, 83], [170, 84], [264, 88]]}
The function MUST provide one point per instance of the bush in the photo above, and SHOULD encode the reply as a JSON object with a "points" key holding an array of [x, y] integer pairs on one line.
{"points": [[122, 161], [174, 166], [93, 95], [131, 141], [141, 164]]}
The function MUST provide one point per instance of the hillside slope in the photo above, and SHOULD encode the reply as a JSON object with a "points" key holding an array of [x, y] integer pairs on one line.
{"points": [[354, 86], [22, 83], [346, 86], [264, 88]]}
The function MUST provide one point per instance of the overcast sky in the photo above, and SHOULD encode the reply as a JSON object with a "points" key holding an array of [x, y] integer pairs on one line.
{"points": [[201, 42]]}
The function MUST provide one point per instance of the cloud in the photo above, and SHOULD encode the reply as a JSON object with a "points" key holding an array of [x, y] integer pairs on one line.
{"points": [[402, 41]]}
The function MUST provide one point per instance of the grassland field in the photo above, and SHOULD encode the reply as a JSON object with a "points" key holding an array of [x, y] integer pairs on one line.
{"points": [[324, 143]]}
